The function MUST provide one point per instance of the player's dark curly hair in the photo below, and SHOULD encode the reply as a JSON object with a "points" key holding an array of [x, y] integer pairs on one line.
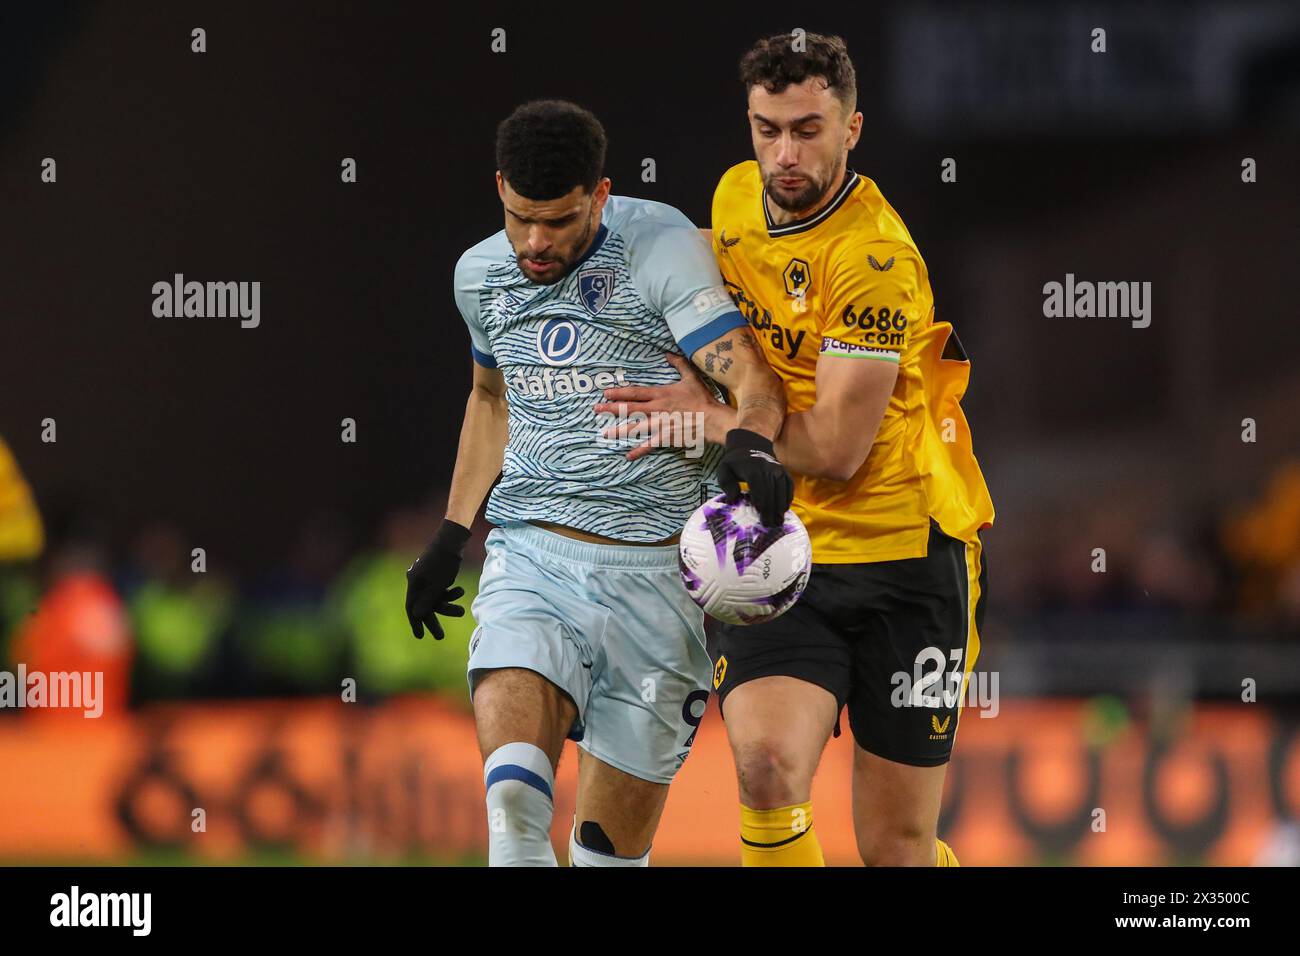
{"points": [[547, 147], [774, 64]]}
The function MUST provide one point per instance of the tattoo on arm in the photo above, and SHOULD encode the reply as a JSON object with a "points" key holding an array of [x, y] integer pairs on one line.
{"points": [[715, 362], [762, 402]]}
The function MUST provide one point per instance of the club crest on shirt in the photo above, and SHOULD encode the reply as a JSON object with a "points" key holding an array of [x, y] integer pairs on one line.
{"points": [[595, 287], [797, 276]]}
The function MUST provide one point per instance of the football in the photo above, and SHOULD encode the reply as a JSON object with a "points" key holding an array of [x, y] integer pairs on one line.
{"points": [[736, 569]]}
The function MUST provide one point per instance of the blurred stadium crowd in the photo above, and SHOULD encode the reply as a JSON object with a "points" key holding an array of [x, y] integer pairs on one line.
{"points": [[72, 600], [1237, 564]]}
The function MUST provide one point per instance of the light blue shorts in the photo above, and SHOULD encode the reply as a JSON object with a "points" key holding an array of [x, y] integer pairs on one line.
{"points": [[610, 625]]}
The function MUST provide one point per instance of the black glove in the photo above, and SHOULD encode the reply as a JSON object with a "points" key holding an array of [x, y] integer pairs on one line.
{"points": [[750, 458], [429, 580]]}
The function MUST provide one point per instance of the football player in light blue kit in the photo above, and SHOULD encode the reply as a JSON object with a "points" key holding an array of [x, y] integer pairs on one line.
{"points": [[584, 628]]}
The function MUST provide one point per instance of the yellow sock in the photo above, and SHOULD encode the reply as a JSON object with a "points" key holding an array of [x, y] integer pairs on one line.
{"points": [[780, 837], [945, 854]]}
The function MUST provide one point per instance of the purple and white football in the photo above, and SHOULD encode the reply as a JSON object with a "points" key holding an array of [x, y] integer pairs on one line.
{"points": [[736, 569]]}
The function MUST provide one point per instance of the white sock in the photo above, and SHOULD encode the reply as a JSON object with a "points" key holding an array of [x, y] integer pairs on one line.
{"points": [[579, 855], [520, 785]]}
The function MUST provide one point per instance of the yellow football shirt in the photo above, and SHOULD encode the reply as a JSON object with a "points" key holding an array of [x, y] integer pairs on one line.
{"points": [[848, 283], [22, 537]]}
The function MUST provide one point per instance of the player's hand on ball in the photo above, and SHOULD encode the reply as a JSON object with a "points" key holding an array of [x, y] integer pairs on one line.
{"points": [[750, 458], [429, 581]]}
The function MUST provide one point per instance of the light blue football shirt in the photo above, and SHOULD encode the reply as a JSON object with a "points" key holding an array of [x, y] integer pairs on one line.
{"points": [[648, 285]]}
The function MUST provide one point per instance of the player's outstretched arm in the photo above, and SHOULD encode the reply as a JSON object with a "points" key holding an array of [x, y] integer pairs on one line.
{"points": [[735, 360], [829, 440], [746, 431], [483, 433], [661, 407]]}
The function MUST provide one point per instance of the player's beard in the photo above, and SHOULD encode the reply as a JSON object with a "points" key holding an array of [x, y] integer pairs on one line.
{"points": [[813, 191], [565, 259]]}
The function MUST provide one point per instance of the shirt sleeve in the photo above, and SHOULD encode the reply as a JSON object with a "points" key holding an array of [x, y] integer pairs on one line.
{"points": [[873, 303], [676, 274], [471, 270]]}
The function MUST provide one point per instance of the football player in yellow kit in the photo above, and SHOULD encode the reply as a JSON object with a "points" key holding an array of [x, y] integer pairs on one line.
{"points": [[885, 479]]}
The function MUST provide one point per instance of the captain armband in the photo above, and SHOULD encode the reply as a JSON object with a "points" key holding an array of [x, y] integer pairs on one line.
{"points": [[842, 349]]}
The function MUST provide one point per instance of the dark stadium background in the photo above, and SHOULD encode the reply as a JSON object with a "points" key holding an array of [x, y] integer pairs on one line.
{"points": [[225, 166]]}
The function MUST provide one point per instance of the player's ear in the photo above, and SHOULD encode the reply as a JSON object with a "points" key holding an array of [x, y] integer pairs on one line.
{"points": [[855, 130], [501, 186], [600, 194]]}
